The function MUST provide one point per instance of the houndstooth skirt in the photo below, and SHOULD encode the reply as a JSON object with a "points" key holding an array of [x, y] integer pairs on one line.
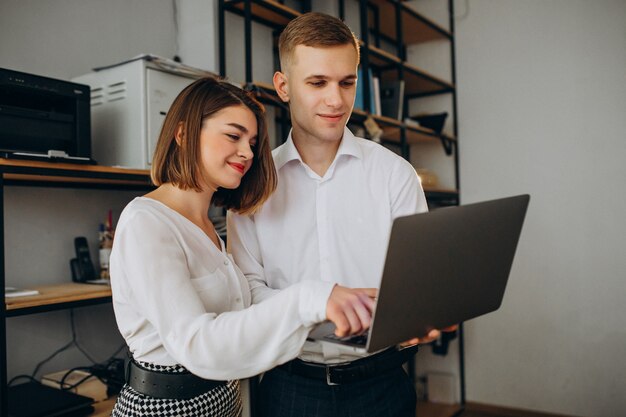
{"points": [[222, 401]]}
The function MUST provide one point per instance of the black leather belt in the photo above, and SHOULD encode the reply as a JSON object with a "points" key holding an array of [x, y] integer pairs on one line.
{"points": [[179, 386], [358, 370]]}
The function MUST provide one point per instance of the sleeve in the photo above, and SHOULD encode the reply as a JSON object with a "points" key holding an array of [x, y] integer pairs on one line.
{"points": [[244, 246], [231, 345], [407, 195]]}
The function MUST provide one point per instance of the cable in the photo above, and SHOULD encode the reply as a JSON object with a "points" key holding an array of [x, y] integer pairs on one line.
{"points": [[110, 372], [49, 358], [66, 387], [75, 339], [176, 46], [73, 342], [119, 349], [15, 378]]}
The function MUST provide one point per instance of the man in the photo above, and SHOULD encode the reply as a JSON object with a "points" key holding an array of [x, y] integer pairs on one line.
{"points": [[328, 220]]}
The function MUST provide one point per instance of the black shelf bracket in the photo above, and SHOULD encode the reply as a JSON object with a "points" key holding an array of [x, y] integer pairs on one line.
{"points": [[447, 143]]}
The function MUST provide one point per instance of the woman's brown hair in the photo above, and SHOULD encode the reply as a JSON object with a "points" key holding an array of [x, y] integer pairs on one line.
{"points": [[179, 163]]}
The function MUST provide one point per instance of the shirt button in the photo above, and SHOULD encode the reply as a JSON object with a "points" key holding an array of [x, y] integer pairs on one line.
{"points": [[238, 299], [226, 263]]}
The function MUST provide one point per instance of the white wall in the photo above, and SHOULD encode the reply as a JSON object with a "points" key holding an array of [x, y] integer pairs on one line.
{"points": [[40, 226], [63, 39], [542, 99], [67, 38], [197, 33]]}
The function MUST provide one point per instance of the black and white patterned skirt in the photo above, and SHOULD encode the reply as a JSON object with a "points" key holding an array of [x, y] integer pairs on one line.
{"points": [[222, 401]]}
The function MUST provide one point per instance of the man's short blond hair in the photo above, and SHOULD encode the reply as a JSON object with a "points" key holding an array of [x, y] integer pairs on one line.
{"points": [[315, 30]]}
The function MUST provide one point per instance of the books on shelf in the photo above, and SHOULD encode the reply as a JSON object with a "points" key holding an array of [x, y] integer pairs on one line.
{"points": [[376, 91], [10, 292], [359, 101], [392, 99]]}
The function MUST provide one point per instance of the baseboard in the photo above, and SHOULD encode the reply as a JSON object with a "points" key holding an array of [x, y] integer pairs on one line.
{"points": [[499, 411]]}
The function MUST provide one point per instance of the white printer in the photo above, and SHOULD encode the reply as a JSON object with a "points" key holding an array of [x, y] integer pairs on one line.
{"points": [[129, 102]]}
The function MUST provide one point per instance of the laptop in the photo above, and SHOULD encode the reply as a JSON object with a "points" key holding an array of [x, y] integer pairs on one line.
{"points": [[442, 268], [33, 399]]}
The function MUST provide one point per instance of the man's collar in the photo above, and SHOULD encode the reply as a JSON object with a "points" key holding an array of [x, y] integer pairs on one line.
{"points": [[288, 152]]}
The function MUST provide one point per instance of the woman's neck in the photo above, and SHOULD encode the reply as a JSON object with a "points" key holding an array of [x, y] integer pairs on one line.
{"points": [[191, 204]]}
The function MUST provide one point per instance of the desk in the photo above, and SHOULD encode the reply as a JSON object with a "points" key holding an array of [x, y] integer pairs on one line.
{"points": [[103, 408], [58, 296]]}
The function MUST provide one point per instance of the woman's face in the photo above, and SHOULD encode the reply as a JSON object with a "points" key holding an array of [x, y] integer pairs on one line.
{"points": [[226, 142]]}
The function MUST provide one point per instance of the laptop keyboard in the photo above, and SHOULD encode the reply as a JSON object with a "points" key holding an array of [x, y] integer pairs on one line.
{"points": [[359, 339]]}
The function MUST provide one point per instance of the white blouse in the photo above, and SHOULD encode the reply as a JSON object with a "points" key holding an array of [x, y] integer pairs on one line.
{"points": [[178, 299]]}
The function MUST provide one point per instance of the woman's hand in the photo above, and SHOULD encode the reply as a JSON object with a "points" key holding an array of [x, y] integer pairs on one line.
{"points": [[430, 337], [350, 309]]}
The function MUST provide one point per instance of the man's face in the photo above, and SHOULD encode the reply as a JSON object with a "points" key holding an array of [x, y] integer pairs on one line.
{"points": [[321, 87]]}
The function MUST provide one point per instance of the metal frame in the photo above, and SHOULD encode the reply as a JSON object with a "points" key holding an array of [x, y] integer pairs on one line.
{"points": [[65, 177], [3, 313], [449, 145], [248, 19], [455, 144]]}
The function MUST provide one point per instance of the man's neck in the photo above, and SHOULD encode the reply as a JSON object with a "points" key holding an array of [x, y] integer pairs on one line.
{"points": [[316, 154]]}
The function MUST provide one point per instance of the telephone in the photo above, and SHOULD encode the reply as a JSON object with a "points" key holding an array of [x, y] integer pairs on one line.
{"points": [[82, 267]]}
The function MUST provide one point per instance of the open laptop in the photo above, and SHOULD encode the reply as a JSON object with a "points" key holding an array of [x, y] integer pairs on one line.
{"points": [[442, 268], [33, 399]]}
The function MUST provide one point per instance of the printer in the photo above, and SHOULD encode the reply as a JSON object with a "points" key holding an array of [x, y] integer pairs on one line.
{"points": [[129, 102], [43, 118]]}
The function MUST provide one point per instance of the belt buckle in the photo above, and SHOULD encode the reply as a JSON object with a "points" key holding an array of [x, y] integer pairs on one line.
{"points": [[328, 381]]}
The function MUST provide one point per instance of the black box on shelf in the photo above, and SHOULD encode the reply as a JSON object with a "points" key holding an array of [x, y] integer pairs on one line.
{"points": [[434, 121], [33, 399], [45, 118]]}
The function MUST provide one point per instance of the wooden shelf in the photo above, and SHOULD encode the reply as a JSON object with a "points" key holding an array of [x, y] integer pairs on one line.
{"points": [[391, 127], [15, 172], [414, 134], [268, 12], [416, 27], [428, 409], [418, 82], [449, 192], [380, 58], [385, 122], [441, 197], [265, 93], [54, 297]]}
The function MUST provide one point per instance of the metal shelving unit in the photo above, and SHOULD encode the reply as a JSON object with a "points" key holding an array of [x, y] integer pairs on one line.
{"points": [[393, 22], [418, 83], [60, 296]]}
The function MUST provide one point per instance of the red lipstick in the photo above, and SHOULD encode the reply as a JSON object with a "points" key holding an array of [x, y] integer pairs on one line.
{"points": [[238, 167]]}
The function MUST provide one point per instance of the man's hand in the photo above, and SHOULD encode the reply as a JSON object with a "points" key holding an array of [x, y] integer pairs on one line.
{"points": [[350, 309], [430, 337]]}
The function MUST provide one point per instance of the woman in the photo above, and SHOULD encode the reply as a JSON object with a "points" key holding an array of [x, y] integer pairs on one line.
{"points": [[181, 304]]}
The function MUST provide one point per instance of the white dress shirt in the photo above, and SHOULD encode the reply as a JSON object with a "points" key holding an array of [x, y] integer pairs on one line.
{"points": [[331, 229], [178, 299]]}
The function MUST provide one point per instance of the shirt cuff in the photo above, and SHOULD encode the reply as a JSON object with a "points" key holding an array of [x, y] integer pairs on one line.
{"points": [[313, 300]]}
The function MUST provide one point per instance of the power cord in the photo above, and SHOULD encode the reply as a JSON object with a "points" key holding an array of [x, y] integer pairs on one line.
{"points": [[110, 372]]}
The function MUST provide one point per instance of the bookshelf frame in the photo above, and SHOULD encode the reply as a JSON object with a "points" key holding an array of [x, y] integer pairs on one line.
{"points": [[59, 296]]}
